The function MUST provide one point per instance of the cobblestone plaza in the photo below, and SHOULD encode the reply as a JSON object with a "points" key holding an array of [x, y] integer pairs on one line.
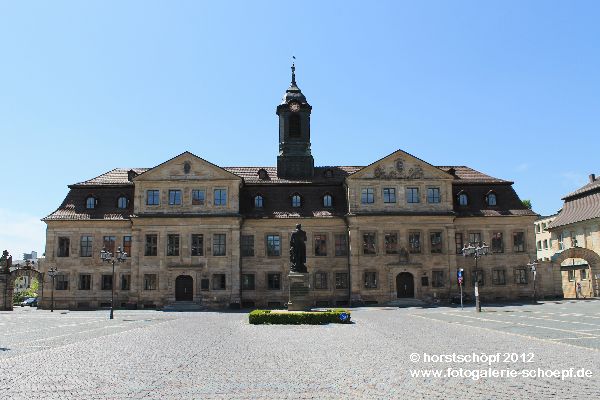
{"points": [[206, 355]]}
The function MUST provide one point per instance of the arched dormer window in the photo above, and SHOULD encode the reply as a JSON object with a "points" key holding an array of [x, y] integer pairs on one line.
{"points": [[258, 201], [295, 125], [327, 200], [91, 202], [296, 200], [463, 199], [122, 202], [328, 173], [491, 199], [262, 174]]}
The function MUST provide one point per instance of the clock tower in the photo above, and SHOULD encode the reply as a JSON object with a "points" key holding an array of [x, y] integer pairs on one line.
{"points": [[295, 160]]}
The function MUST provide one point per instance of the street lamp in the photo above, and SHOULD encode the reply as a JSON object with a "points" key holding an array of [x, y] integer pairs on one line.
{"points": [[476, 250], [107, 256], [532, 265], [52, 273]]}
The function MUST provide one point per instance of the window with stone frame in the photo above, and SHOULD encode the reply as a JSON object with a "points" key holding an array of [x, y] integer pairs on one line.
{"points": [[458, 242], [389, 195], [106, 282], [435, 241], [197, 248], [172, 245], [248, 282], [122, 202], [475, 238], [434, 195], [414, 242], [583, 274], [127, 245], [258, 201], [391, 243], [341, 280], [247, 245], [219, 282], [85, 247], [219, 244], [64, 246], [477, 276], [437, 279], [198, 197], [320, 241], [321, 280], [150, 281], [370, 279], [220, 197], [85, 282], [341, 245], [571, 275], [274, 281], [204, 284], [109, 243], [152, 197], [90, 202], [125, 281], [174, 197], [412, 195], [521, 275], [491, 199], [61, 282], [497, 242], [463, 199], [151, 246], [369, 243], [367, 196], [273, 245], [498, 277], [519, 242]]}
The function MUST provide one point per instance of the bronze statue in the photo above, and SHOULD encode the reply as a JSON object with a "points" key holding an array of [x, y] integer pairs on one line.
{"points": [[298, 250]]}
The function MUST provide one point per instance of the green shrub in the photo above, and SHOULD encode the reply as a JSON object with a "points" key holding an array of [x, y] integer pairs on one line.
{"points": [[299, 318]]}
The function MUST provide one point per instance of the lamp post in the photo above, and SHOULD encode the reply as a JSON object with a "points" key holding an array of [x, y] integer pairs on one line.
{"points": [[107, 256], [476, 250], [52, 273], [532, 266]]}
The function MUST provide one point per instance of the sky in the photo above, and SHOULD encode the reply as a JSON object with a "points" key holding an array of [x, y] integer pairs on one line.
{"points": [[510, 88]]}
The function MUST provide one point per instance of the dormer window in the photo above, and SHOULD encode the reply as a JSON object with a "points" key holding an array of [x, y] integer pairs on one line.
{"points": [[296, 200], [122, 202], [328, 173], [491, 199], [91, 202], [258, 201], [327, 200], [262, 174], [463, 199]]}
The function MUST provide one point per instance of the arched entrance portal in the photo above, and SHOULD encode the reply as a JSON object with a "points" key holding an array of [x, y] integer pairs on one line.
{"points": [[592, 282], [405, 285], [184, 288]]}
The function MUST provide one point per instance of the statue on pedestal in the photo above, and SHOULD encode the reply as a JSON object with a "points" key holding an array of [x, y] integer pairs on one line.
{"points": [[298, 250]]}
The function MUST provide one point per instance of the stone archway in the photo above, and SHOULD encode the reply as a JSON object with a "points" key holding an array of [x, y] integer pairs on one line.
{"points": [[590, 256], [7, 284]]}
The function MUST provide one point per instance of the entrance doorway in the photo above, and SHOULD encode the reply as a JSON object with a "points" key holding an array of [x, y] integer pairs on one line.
{"points": [[184, 288], [405, 285]]}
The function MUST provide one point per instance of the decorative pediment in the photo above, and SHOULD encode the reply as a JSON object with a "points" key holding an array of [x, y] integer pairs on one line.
{"points": [[186, 166], [400, 165]]}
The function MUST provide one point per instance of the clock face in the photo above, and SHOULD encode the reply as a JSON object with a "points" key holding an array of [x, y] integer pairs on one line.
{"points": [[295, 107]]}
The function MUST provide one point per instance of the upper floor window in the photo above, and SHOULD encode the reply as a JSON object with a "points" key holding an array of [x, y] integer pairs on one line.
{"points": [[122, 202], [296, 200], [369, 245], [327, 200], [219, 244], [341, 244], [258, 201], [90, 202], [389, 195], [463, 199], [412, 195], [273, 245], [86, 246], [497, 242], [433, 195], [175, 197], [152, 197], [151, 246], [197, 244], [247, 245], [519, 242], [198, 197], [320, 244], [436, 242], [491, 199], [220, 197], [172, 245], [64, 244], [367, 196]]}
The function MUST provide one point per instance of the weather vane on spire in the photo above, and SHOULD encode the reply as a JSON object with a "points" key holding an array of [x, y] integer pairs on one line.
{"points": [[293, 70]]}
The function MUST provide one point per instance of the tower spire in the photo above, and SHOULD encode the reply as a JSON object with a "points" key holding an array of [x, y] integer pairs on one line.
{"points": [[293, 71]]}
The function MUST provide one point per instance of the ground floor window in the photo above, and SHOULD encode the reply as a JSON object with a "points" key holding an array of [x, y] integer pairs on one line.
{"points": [[583, 274], [341, 280], [321, 280], [437, 279], [499, 277], [125, 281], [571, 275], [274, 281], [248, 282], [370, 280], [150, 281], [85, 282], [219, 282], [106, 282], [478, 277], [61, 282], [521, 276], [204, 284]]}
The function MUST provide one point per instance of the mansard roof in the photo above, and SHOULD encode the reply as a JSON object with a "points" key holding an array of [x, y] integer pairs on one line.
{"points": [[580, 205], [73, 206]]}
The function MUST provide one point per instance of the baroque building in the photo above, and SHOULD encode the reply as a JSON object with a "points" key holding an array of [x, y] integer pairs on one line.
{"points": [[219, 236]]}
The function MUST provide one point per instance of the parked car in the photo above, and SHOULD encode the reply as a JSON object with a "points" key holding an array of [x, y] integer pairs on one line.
{"points": [[31, 301]]}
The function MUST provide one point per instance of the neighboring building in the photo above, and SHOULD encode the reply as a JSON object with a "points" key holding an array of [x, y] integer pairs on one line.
{"points": [[219, 236], [543, 238], [23, 282], [575, 238]]}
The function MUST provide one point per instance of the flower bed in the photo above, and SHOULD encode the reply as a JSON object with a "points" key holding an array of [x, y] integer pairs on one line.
{"points": [[337, 316]]}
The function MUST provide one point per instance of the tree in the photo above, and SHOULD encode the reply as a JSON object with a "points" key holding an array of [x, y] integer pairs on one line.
{"points": [[527, 203]]}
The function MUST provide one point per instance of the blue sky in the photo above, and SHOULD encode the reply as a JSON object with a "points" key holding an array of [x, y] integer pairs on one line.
{"points": [[510, 88]]}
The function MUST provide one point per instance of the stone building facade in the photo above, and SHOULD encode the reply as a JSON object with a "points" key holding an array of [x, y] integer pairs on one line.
{"points": [[543, 238], [219, 236]]}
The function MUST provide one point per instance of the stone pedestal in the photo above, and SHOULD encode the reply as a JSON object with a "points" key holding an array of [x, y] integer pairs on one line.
{"points": [[300, 298]]}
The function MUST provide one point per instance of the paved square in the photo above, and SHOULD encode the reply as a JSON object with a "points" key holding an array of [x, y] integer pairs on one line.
{"points": [[387, 353]]}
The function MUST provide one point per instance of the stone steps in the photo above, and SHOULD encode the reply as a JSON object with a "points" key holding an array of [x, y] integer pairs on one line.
{"points": [[406, 303], [184, 306]]}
